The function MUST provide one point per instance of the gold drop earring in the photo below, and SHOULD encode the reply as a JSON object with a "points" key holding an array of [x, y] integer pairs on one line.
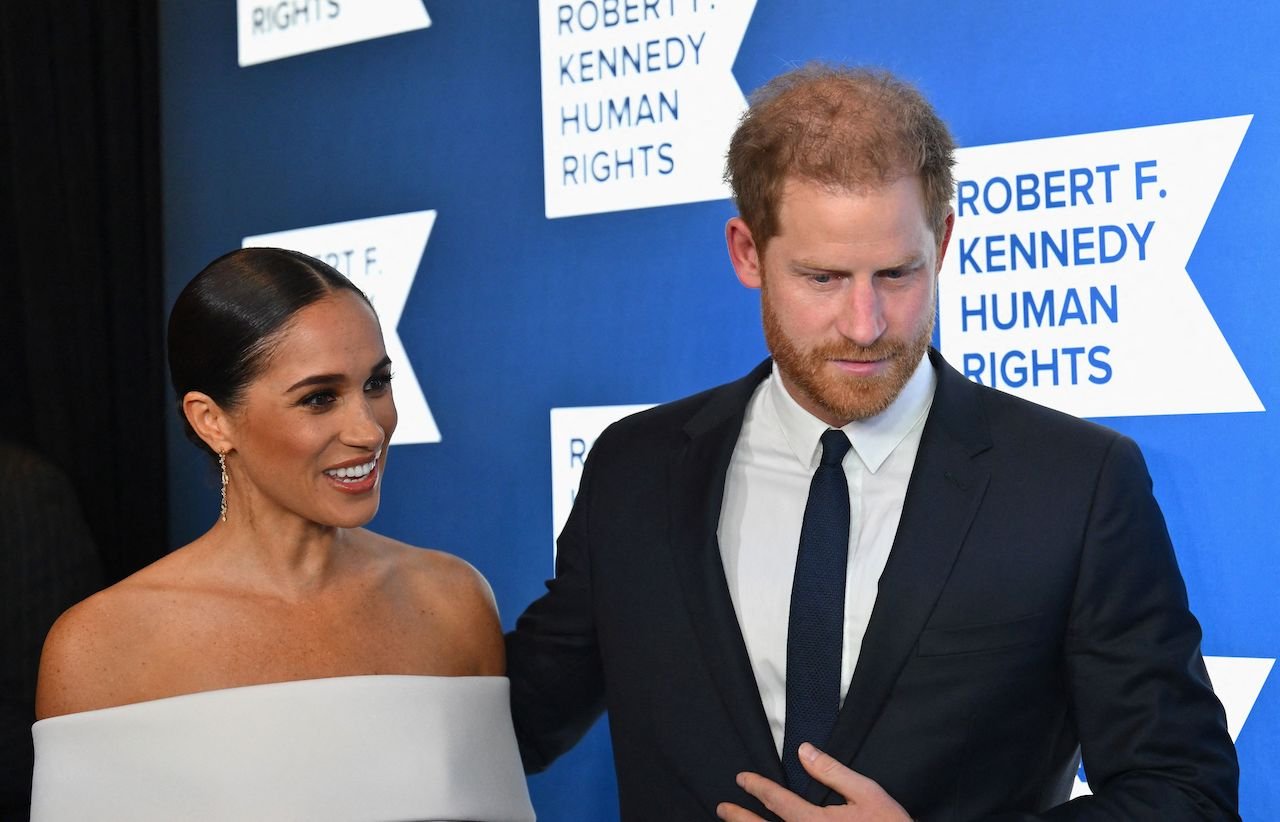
{"points": [[222, 466]]}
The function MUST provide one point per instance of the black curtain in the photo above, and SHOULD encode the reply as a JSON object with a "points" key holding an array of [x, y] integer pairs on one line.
{"points": [[82, 300], [81, 291]]}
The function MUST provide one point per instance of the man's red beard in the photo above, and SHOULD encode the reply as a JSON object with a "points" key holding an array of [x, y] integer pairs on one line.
{"points": [[844, 397]]}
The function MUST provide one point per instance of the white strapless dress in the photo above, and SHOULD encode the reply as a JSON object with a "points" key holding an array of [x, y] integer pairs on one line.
{"points": [[345, 748]]}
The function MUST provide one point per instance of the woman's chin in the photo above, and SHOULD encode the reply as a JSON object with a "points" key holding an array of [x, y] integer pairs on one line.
{"points": [[350, 516]]}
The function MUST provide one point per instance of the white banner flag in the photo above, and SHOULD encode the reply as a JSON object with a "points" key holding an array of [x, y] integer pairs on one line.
{"points": [[381, 256], [638, 101], [272, 29], [1066, 281]]}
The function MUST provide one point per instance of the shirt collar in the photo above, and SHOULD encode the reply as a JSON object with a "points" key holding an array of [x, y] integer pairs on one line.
{"points": [[873, 439]]}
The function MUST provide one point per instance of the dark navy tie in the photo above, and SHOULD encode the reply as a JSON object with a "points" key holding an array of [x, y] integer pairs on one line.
{"points": [[815, 628]]}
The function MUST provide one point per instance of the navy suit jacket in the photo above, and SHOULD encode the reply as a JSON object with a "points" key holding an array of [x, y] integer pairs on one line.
{"points": [[1031, 609]]}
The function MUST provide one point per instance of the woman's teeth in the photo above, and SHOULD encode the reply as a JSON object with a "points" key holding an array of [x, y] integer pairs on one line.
{"points": [[354, 472]]}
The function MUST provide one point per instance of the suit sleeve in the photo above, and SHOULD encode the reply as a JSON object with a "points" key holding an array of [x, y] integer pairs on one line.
{"points": [[553, 660], [1153, 735]]}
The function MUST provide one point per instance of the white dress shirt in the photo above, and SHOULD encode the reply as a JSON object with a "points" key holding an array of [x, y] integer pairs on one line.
{"points": [[765, 493]]}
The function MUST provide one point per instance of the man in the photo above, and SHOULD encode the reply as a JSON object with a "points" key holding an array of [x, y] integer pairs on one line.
{"points": [[951, 591]]}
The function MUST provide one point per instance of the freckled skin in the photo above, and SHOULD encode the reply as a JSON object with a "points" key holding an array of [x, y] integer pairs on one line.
{"points": [[290, 587]]}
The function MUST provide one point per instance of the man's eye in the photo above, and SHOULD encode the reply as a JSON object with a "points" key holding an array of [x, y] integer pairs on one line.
{"points": [[822, 279]]}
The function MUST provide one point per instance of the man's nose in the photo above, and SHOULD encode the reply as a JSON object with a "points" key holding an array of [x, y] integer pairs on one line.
{"points": [[861, 318]]}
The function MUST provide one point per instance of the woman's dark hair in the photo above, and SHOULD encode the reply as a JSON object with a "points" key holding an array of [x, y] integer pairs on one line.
{"points": [[224, 323]]}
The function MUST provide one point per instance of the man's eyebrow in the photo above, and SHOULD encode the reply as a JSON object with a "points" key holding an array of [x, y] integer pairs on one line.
{"points": [[810, 265], [913, 261]]}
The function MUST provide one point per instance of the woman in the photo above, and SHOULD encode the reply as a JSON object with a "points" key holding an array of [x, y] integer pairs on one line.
{"points": [[288, 664]]}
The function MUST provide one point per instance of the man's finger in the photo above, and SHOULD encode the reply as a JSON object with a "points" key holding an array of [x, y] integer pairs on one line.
{"points": [[775, 797], [828, 770], [730, 812], [860, 792]]}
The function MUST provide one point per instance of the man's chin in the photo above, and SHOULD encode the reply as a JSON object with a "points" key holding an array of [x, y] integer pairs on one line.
{"points": [[856, 390], [843, 397], [856, 406]]}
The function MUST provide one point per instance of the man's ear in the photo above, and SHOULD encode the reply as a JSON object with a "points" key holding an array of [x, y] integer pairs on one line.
{"points": [[743, 252], [208, 419], [946, 239]]}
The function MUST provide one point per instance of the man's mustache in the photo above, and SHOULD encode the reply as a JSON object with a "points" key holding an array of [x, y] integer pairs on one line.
{"points": [[845, 350]]}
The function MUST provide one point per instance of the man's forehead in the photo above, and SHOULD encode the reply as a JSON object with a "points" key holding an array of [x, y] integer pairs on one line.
{"points": [[796, 182]]}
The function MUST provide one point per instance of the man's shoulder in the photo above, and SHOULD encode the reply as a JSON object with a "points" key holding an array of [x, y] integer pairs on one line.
{"points": [[1011, 409], [1029, 433], [1012, 425], [677, 418]]}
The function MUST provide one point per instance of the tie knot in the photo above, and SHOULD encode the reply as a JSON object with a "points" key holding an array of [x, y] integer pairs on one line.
{"points": [[834, 446]]}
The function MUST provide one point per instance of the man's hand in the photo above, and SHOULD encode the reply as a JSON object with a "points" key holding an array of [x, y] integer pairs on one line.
{"points": [[865, 800]]}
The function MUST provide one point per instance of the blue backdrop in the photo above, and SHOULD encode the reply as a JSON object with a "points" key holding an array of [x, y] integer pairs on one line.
{"points": [[512, 314]]}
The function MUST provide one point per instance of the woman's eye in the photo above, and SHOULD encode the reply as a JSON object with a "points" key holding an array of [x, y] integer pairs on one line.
{"points": [[319, 399], [378, 383]]}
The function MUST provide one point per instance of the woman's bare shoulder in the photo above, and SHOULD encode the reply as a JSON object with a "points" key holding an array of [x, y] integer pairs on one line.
{"points": [[454, 596], [433, 568], [91, 652]]}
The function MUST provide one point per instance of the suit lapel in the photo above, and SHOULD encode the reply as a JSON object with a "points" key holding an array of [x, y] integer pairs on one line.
{"points": [[697, 477], [943, 494]]}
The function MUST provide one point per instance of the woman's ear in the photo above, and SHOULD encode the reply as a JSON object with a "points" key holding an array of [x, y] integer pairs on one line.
{"points": [[210, 422]]}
